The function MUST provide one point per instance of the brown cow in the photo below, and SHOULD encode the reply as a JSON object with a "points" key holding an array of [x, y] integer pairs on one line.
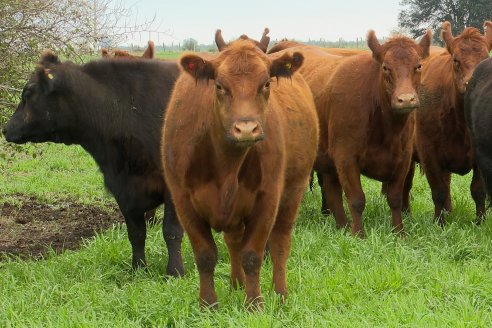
{"points": [[286, 44], [262, 44], [149, 53], [237, 154], [368, 119], [442, 140]]}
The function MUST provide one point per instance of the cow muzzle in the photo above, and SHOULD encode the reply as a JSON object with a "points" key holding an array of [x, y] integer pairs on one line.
{"points": [[246, 132], [405, 102]]}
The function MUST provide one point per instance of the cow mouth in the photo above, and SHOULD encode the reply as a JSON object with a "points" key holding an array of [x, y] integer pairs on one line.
{"points": [[245, 143]]}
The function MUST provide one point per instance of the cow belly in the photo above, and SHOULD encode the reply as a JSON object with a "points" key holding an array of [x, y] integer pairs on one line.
{"points": [[225, 207], [457, 160], [382, 165]]}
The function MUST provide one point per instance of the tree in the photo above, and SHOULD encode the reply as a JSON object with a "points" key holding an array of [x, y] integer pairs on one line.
{"points": [[190, 44], [72, 28], [420, 15]]}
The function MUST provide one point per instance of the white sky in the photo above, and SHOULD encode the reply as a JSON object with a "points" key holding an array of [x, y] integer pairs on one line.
{"points": [[293, 19]]}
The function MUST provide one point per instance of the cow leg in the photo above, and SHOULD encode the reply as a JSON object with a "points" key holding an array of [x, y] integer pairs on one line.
{"points": [[204, 248], [333, 194], [173, 236], [280, 240], [477, 189], [349, 175], [256, 233], [394, 196], [137, 232], [234, 246], [150, 216], [439, 182], [407, 187], [324, 205]]}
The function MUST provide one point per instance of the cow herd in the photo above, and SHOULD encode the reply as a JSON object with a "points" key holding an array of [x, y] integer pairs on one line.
{"points": [[229, 141]]}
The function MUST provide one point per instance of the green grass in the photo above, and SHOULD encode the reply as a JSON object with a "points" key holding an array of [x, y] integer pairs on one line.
{"points": [[433, 277]]}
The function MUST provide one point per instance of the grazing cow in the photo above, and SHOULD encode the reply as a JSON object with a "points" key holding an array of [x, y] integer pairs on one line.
{"points": [[149, 53], [262, 44], [442, 140], [478, 115], [368, 120], [237, 154], [114, 110]]}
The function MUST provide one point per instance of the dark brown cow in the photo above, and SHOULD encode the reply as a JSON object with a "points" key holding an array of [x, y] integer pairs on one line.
{"points": [[237, 153], [368, 119], [442, 140], [149, 53], [262, 44]]}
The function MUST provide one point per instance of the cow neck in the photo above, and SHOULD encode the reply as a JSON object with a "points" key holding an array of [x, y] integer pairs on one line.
{"points": [[229, 157]]}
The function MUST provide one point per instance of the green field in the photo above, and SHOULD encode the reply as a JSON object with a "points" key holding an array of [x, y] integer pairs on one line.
{"points": [[433, 277]]}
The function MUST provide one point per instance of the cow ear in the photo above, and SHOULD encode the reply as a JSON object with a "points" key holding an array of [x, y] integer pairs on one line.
{"points": [[219, 40], [375, 46], [265, 40], [47, 79], [198, 67], [447, 35], [425, 43], [487, 27], [286, 65], [149, 52], [48, 57]]}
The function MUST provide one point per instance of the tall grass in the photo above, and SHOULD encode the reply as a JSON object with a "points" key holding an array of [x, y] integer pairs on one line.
{"points": [[433, 277]]}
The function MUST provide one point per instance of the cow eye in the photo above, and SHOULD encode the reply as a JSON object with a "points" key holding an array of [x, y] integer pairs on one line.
{"points": [[418, 68], [456, 62], [219, 87], [385, 68]]}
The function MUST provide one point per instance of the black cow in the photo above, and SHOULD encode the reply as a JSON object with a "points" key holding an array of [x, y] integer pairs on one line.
{"points": [[478, 116], [114, 110]]}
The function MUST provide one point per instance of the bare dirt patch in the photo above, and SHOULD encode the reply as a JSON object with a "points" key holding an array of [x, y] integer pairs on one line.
{"points": [[30, 228]]}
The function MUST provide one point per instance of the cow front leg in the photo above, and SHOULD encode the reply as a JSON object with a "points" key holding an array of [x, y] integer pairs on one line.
{"points": [[334, 201], [234, 245], [137, 232]]}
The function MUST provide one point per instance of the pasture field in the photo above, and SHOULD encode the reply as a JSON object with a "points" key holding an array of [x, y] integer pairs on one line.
{"points": [[434, 277]]}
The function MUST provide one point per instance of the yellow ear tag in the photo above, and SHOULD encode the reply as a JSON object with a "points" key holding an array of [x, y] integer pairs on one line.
{"points": [[50, 76], [288, 66]]}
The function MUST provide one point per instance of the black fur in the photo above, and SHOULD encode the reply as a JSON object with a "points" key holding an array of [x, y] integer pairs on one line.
{"points": [[114, 110]]}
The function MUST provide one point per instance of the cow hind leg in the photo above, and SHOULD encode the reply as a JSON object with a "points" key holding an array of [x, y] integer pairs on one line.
{"points": [[325, 209], [234, 246], [407, 187], [439, 183], [333, 194], [173, 236], [477, 189]]}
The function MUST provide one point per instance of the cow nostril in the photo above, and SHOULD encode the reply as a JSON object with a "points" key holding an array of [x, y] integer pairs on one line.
{"points": [[237, 129], [400, 100], [256, 129]]}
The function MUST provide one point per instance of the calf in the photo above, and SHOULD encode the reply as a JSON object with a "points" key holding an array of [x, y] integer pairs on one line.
{"points": [[114, 110], [478, 114], [237, 155], [442, 140], [367, 118]]}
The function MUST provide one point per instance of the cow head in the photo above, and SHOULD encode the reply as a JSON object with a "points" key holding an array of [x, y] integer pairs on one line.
{"points": [[467, 50], [262, 44], [149, 53], [400, 60], [36, 118], [242, 75]]}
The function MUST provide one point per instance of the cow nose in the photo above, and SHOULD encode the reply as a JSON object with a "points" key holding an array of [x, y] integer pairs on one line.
{"points": [[246, 131], [407, 100]]}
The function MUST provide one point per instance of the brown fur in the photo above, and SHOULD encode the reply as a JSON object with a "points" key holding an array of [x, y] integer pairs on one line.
{"points": [[367, 123], [248, 186], [262, 44], [442, 140], [286, 44], [149, 53]]}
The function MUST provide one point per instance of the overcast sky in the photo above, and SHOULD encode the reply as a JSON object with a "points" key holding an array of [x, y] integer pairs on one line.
{"points": [[293, 19]]}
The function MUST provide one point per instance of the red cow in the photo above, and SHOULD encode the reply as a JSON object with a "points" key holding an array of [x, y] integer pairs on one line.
{"points": [[237, 154], [149, 53], [442, 140], [286, 44], [262, 44], [368, 120]]}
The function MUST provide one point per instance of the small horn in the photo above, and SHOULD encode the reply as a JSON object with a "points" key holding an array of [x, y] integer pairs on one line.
{"points": [[265, 40], [219, 40]]}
